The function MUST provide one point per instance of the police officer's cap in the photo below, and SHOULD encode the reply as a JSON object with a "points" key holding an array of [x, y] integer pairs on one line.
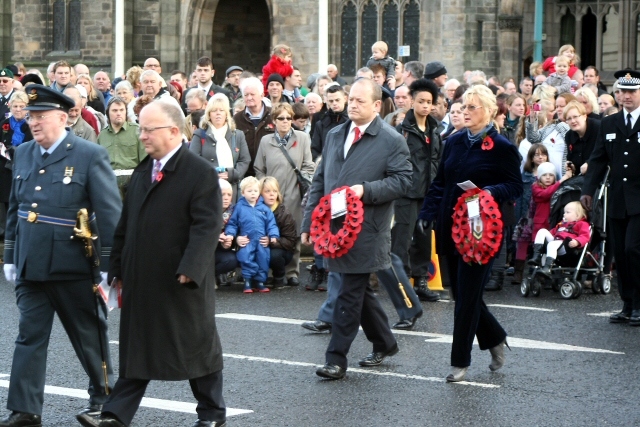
{"points": [[628, 79], [43, 98]]}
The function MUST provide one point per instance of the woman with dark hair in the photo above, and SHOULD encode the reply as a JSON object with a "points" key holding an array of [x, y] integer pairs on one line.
{"points": [[456, 118], [491, 162]]}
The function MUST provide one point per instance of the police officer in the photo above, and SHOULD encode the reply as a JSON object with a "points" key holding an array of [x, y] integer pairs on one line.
{"points": [[618, 146], [54, 176]]}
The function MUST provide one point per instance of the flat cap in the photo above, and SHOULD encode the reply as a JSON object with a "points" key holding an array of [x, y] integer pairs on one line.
{"points": [[232, 69]]}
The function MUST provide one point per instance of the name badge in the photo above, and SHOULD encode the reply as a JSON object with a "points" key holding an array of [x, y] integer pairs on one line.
{"points": [[610, 136]]}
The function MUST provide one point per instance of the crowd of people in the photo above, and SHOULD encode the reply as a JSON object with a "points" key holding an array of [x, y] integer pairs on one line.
{"points": [[401, 137]]}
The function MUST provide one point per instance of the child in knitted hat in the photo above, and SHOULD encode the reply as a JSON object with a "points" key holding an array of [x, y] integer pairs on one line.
{"points": [[541, 192]]}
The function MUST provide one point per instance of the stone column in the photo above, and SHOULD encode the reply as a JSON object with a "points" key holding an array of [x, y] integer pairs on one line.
{"points": [[508, 43]]}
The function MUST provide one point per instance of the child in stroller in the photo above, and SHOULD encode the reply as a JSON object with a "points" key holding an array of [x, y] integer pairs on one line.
{"points": [[572, 233]]}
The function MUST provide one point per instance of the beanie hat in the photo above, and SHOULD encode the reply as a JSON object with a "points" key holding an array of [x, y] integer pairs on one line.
{"points": [[434, 69], [546, 167], [275, 77]]}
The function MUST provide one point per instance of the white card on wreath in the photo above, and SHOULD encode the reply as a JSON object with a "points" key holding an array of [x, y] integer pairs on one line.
{"points": [[467, 185], [338, 203]]}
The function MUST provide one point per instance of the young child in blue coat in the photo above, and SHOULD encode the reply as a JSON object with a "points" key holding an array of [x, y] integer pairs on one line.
{"points": [[251, 220]]}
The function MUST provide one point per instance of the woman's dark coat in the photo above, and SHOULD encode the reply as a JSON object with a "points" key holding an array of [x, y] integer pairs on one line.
{"points": [[5, 166]]}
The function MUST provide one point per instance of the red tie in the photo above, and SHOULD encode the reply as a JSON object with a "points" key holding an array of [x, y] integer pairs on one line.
{"points": [[358, 135]]}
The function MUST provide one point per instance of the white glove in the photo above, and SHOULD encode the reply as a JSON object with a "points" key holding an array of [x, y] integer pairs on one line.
{"points": [[103, 274], [10, 273]]}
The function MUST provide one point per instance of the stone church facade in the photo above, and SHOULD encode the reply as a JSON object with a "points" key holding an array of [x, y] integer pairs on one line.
{"points": [[493, 35]]}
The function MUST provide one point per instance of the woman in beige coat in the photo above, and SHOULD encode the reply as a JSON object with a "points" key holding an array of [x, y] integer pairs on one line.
{"points": [[271, 161]]}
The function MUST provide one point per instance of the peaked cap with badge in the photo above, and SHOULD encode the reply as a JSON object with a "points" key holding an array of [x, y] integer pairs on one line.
{"points": [[43, 98]]}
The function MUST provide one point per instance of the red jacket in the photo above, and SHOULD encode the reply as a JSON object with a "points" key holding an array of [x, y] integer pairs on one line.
{"points": [[542, 198], [549, 65], [275, 65], [577, 230]]}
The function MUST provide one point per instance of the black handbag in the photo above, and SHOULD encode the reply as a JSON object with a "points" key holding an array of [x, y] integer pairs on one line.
{"points": [[303, 182]]}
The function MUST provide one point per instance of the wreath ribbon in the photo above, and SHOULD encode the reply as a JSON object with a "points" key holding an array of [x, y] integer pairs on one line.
{"points": [[332, 245], [477, 239]]}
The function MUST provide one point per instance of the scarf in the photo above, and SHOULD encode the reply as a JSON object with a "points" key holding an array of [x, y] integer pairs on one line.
{"points": [[478, 136], [223, 150], [18, 135], [285, 139], [512, 123]]}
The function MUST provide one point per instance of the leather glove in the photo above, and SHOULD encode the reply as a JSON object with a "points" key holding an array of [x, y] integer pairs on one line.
{"points": [[10, 273], [424, 226], [585, 201]]}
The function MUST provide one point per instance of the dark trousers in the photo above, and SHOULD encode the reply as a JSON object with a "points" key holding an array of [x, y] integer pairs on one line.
{"points": [[278, 261], [127, 394], [413, 247], [471, 316], [356, 306], [74, 302], [226, 260], [390, 282], [625, 234]]}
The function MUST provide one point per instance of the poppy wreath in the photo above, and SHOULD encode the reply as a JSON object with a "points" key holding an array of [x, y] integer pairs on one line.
{"points": [[332, 245], [482, 246]]}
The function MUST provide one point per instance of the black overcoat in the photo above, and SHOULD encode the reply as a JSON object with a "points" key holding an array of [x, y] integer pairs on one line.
{"points": [[169, 227]]}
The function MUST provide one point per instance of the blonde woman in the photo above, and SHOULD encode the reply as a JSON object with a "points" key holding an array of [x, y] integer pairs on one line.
{"points": [[218, 142], [95, 99], [541, 127], [495, 169], [586, 97]]}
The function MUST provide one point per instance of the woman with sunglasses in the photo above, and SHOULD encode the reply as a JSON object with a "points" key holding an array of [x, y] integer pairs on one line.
{"points": [[271, 161], [481, 155]]}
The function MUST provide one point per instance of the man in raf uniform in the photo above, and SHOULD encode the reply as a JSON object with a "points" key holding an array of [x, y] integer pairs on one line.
{"points": [[618, 146], [54, 176]]}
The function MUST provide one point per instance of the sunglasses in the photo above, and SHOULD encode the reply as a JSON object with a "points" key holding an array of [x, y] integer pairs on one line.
{"points": [[282, 119]]}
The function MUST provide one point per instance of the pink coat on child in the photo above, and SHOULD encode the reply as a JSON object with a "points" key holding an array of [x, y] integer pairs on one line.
{"points": [[577, 230], [542, 198]]}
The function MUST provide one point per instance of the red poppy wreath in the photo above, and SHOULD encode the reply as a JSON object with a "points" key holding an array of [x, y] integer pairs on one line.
{"points": [[477, 240], [332, 245]]}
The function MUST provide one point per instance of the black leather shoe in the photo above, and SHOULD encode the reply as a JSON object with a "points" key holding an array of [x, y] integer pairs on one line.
{"points": [[92, 410], [21, 419], [621, 317], [376, 358], [634, 319], [423, 291], [317, 326], [205, 423], [293, 281], [407, 323], [332, 372], [103, 421]]}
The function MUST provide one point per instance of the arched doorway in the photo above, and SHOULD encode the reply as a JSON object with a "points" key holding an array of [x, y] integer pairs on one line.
{"points": [[241, 35]]}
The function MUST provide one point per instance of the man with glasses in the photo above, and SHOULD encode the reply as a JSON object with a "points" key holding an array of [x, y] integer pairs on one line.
{"points": [[54, 176], [78, 125], [121, 140], [618, 147], [152, 64], [6, 90], [160, 341]]}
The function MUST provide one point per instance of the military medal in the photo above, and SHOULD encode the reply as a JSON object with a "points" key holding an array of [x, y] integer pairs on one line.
{"points": [[68, 173]]}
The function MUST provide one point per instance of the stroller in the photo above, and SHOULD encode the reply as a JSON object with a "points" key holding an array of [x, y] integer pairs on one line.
{"points": [[587, 260]]}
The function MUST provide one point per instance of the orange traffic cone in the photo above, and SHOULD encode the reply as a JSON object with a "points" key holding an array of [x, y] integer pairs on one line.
{"points": [[434, 279]]}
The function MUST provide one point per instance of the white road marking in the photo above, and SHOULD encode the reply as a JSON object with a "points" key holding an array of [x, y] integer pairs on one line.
{"points": [[433, 338], [3, 375], [519, 307], [603, 314], [147, 402], [358, 370]]}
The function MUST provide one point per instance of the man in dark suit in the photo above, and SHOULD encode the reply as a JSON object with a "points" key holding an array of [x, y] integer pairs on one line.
{"points": [[54, 176], [205, 72], [163, 258], [618, 146], [6, 90], [373, 159]]}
